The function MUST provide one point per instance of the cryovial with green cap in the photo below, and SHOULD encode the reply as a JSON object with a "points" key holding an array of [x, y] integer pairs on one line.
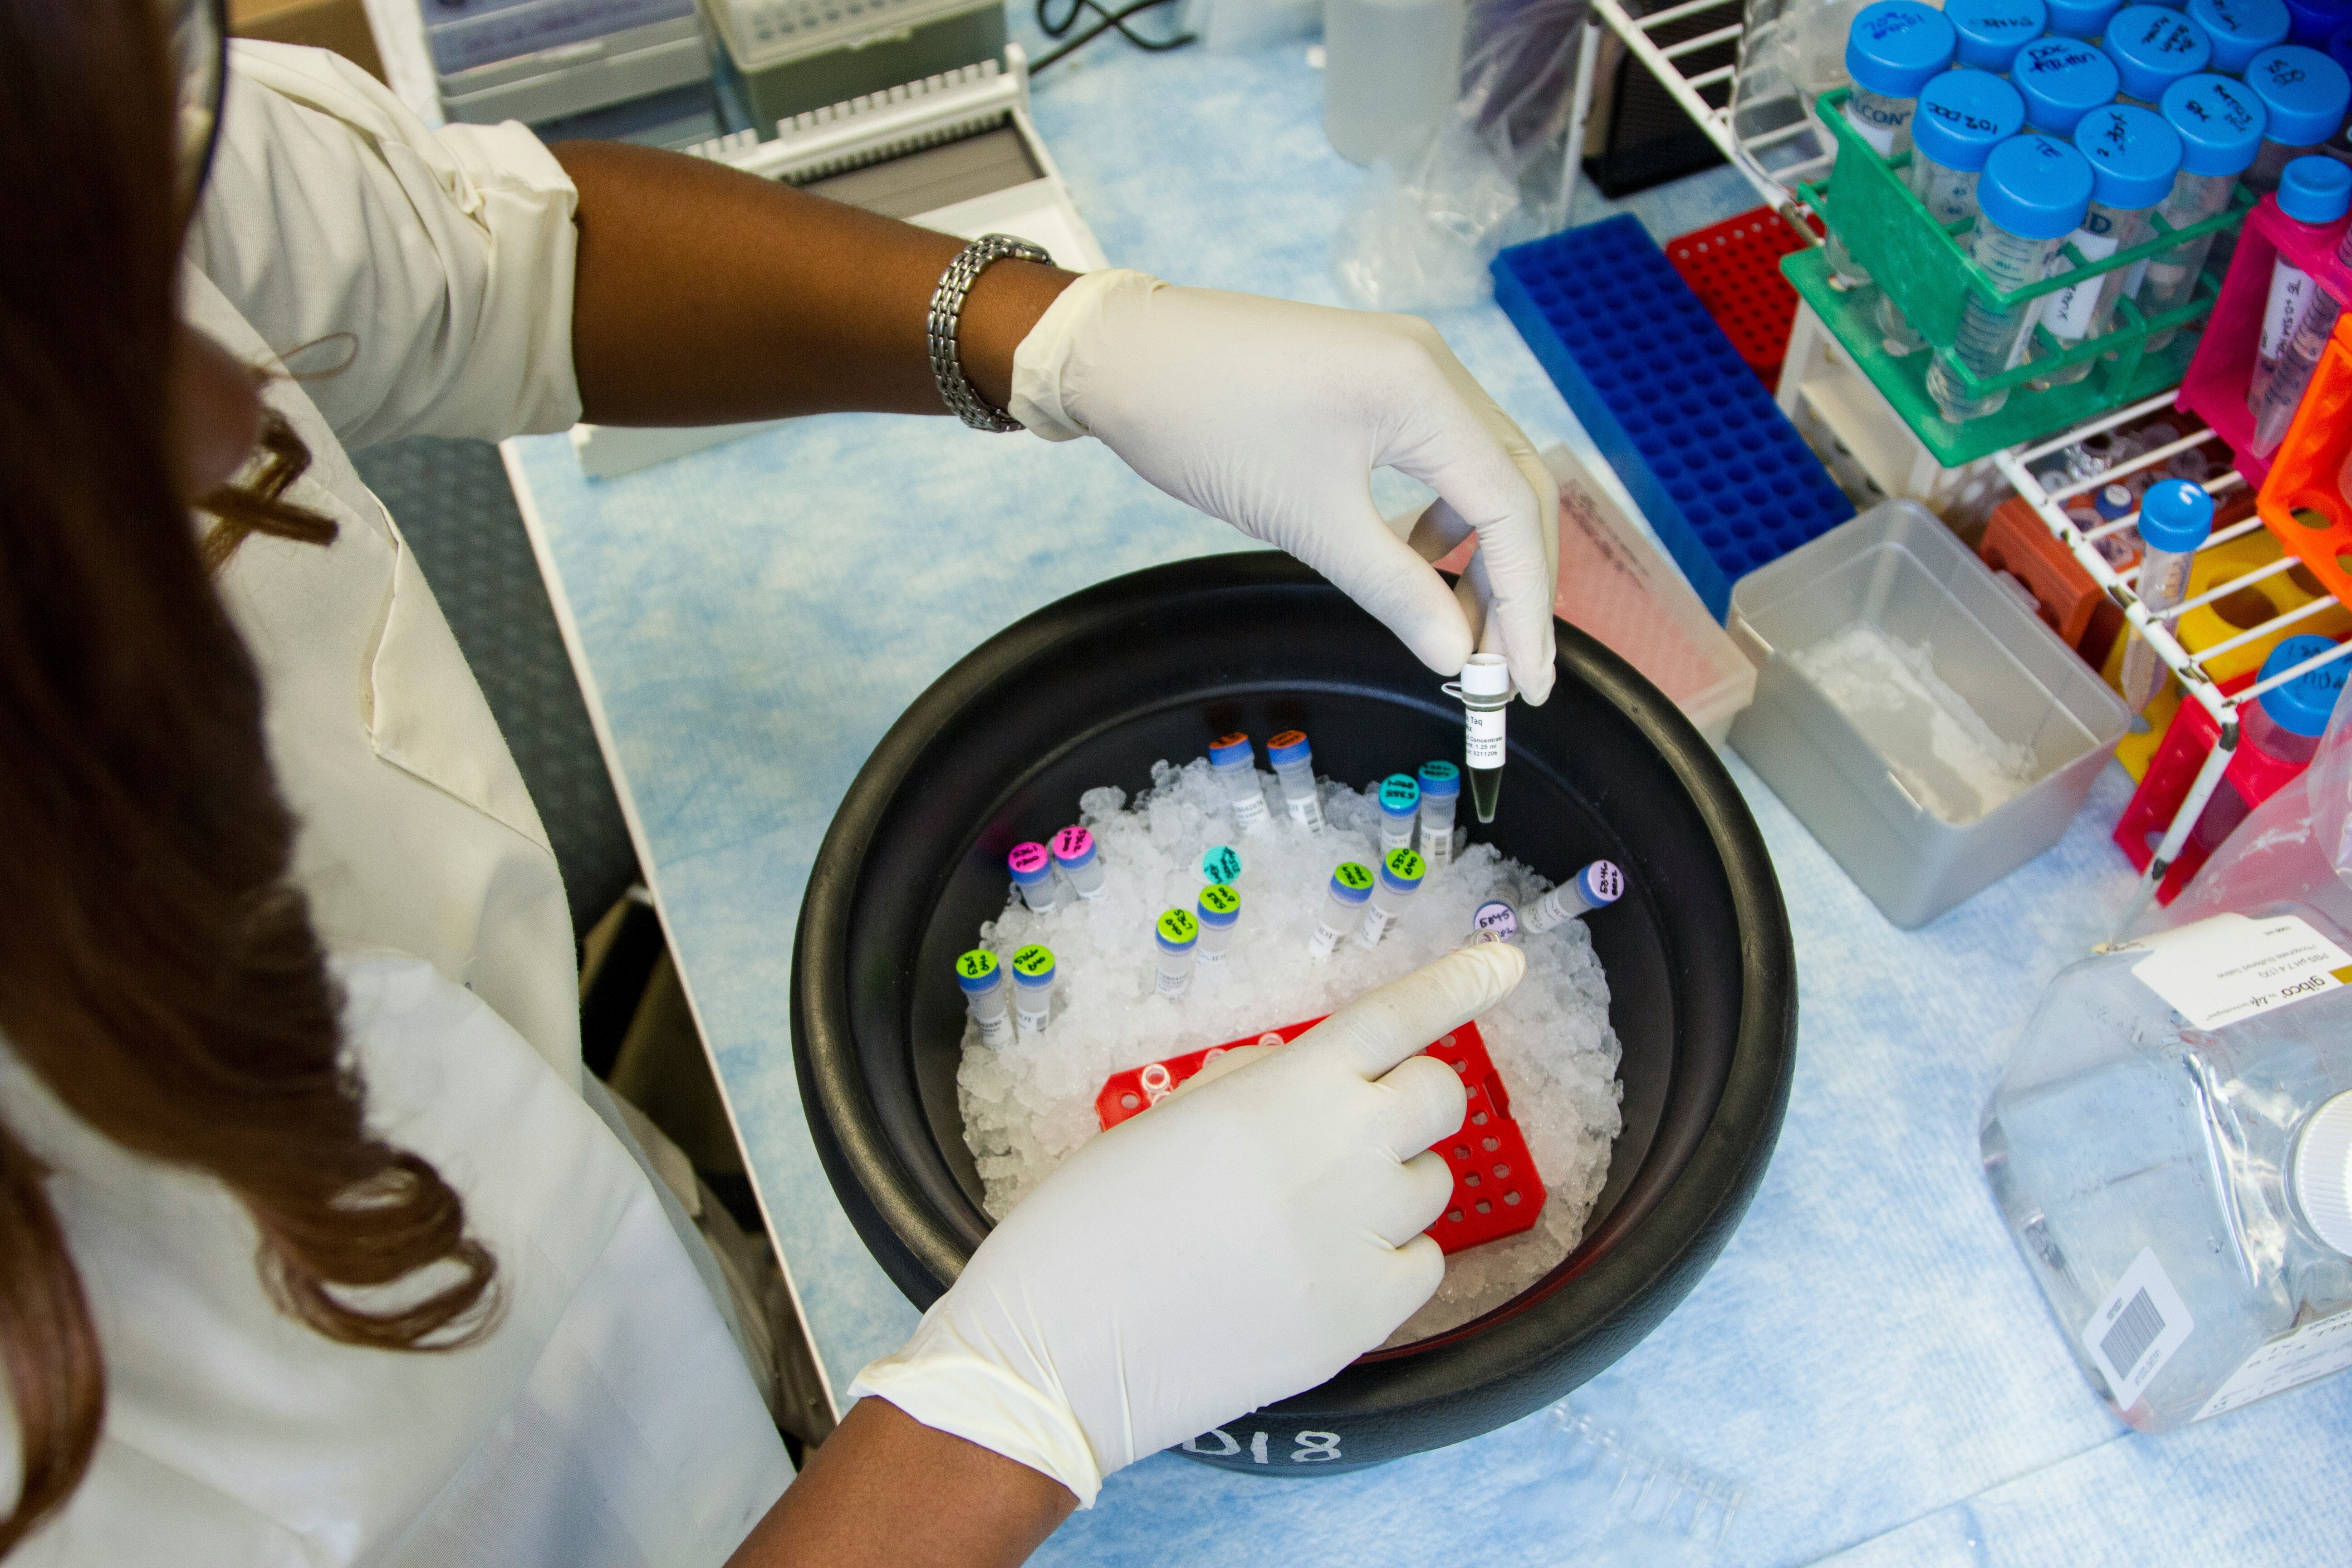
{"points": [[1400, 802], [1343, 906], [1399, 878], [2134, 156], [1237, 768], [1033, 986], [1177, 935], [1220, 910], [984, 989], [2033, 194], [1892, 49], [1440, 792], [2220, 123]]}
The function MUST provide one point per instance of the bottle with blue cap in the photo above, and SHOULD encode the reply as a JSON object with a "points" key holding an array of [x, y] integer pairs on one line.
{"points": [[2305, 95], [1963, 115], [2134, 157], [1294, 770], [1440, 792], [2063, 80], [2299, 315], [1399, 798], [2033, 194], [2221, 124], [1895, 49], [2084, 19], [2284, 723], [1237, 768], [2175, 518], [982, 980], [2154, 46], [1990, 32], [1343, 906], [2239, 29]]}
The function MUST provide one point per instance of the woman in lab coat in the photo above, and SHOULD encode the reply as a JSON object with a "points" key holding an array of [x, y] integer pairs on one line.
{"points": [[316, 1244]]}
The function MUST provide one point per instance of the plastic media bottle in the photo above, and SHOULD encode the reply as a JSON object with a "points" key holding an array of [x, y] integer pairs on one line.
{"points": [[1220, 910], [1494, 921], [2300, 315], [2083, 19], [1032, 873], [1895, 49], [1236, 768], [1399, 878], [2175, 518], [2284, 723], [1073, 853], [2171, 1148], [1990, 32], [1343, 907], [984, 989], [2220, 123], [1033, 986], [1440, 792], [1294, 770], [2154, 46], [2303, 95], [2134, 157], [1177, 935], [1400, 802], [1486, 692], [1596, 887], [2239, 29], [2063, 80], [2033, 194], [1963, 115]]}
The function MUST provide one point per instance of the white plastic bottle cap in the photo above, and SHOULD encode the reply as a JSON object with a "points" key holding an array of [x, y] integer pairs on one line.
{"points": [[1486, 675], [2323, 1172]]}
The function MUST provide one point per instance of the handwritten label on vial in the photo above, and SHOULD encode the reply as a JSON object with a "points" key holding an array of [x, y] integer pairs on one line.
{"points": [[1495, 918], [1027, 860], [1482, 737], [1604, 883], [1178, 926], [977, 964], [1406, 865], [1072, 844], [2068, 313], [1880, 135], [1220, 899], [1439, 772], [1034, 960], [1220, 863], [1399, 794], [2290, 301], [1348, 874]]}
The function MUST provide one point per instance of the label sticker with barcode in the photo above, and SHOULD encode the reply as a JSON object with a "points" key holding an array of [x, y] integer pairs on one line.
{"points": [[2137, 1329], [2229, 968]]}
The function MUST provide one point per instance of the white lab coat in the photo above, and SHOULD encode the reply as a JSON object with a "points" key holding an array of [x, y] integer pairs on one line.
{"points": [[610, 1419]]}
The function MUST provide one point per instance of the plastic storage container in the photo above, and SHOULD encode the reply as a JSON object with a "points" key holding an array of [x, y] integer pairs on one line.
{"points": [[1897, 573], [544, 59], [772, 59]]}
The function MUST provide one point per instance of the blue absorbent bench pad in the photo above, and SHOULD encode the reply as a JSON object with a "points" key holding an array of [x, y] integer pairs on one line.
{"points": [[1720, 473]]}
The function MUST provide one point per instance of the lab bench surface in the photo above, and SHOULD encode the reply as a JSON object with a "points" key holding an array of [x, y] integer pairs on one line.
{"points": [[1867, 1375]]}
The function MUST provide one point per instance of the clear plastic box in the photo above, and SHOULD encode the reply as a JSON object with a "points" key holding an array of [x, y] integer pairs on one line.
{"points": [[1890, 780]]}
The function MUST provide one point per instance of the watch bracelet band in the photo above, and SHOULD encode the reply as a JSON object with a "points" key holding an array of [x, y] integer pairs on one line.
{"points": [[947, 315]]}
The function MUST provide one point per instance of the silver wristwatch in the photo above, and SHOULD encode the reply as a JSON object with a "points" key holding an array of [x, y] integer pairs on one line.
{"points": [[946, 315]]}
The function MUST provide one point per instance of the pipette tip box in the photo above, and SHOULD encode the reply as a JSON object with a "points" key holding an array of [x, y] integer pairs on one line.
{"points": [[1723, 477]]}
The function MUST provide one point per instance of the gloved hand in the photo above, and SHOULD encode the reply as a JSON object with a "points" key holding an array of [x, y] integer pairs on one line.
{"points": [[1226, 1248], [1273, 415]]}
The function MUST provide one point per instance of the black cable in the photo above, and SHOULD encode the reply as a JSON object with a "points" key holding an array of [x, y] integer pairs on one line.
{"points": [[1111, 21]]}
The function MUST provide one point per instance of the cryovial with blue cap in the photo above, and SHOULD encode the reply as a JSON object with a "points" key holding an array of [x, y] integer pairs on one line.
{"points": [[1399, 879], [1236, 768], [2063, 80], [2239, 29], [1894, 49], [1596, 887], [1343, 906], [2033, 194], [2084, 19], [1440, 792], [982, 980], [2221, 123], [1990, 32], [2134, 156], [1400, 802], [2152, 47], [1032, 873], [1033, 986], [1294, 770], [2299, 317], [2175, 517], [1219, 911], [1963, 115], [1177, 935], [2305, 95], [2284, 723]]}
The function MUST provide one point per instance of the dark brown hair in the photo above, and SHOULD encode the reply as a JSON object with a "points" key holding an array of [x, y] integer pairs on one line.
{"points": [[157, 971]]}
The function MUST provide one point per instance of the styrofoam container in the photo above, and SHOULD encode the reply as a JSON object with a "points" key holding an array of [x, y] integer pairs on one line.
{"points": [[1898, 569]]}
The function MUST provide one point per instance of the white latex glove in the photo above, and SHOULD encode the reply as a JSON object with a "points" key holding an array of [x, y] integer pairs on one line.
{"points": [[1226, 1248], [1273, 415]]}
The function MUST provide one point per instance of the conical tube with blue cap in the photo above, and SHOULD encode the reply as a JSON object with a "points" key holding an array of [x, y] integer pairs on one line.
{"points": [[2033, 194], [983, 982], [2175, 518], [1894, 49]]}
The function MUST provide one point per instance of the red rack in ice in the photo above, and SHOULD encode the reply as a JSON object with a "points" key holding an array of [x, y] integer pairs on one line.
{"points": [[1498, 1191]]}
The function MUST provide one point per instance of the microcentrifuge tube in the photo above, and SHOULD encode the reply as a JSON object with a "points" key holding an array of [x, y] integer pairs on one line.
{"points": [[1494, 921], [1237, 768], [1220, 863], [1179, 937], [1073, 850], [1596, 887], [1399, 878], [1033, 986], [1440, 792], [1221, 908], [1294, 769], [1343, 906], [983, 987], [1156, 1082], [1485, 690], [1400, 799], [1032, 873]]}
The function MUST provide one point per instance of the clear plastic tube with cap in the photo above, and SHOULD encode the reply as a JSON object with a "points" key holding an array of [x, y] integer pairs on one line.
{"points": [[2033, 194], [2080, 18], [2134, 157], [2154, 46], [1343, 906], [1033, 986], [1294, 770], [1493, 920], [1074, 856], [1220, 909], [1485, 690], [1177, 936], [1237, 768], [2284, 723], [2299, 315], [986, 993], [1032, 872], [2239, 29], [1440, 792], [1963, 116], [1894, 49], [2175, 518], [1596, 887], [1399, 879], [1990, 32], [2303, 95], [2220, 123], [1400, 802], [2061, 79]]}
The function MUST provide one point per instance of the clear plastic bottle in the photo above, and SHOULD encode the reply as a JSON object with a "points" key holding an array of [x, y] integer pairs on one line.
{"points": [[1440, 792], [2284, 723], [1177, 936], [1400, 802], [2084, 19], [1294, 770], [2033, 194], [1399, 879], [1343, 907], [2063, 80], [985, 988], [2134, 157], [1391, 67], [1990, 32], [2175, 518], [1219, 911], [1236, 768], [2154, 46], [2303, 95], [1896, 47], [2220, 123], [1596, 887], [1074, 856], [1963, 115], [2299, 315], [1033, 986], [2239, 29], [1032, 873], [2171, 1148]]}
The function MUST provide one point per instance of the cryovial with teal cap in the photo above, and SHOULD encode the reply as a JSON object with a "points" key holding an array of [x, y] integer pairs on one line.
{"points": [[2154, 46], [2299, 315], [1177, 935], [2063, 80], [2175, 518], [1440, 792], [2239, 29], [1398, 881], [1894, 49], [2313, 22], [2033, 194], [1343, 906], [982, 980], [1033, 986], [1237, 768], [2134, 156], [2284, 723], [1032, 872], [1990, 32], [1294, 770], [2083, 19], [1220, 909], [1399, 798], [1596, 887], [1963, 116], [1074, 856], [2220, 123], [2305, 95], [1219, 863]]}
